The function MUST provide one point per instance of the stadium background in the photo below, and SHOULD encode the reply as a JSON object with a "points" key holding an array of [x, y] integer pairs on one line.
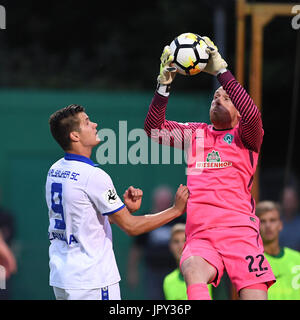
{"points": [[107, 58]]}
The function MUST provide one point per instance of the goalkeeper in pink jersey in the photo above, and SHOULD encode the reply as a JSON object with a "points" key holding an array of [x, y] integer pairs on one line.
{"points": [[222, 231]]}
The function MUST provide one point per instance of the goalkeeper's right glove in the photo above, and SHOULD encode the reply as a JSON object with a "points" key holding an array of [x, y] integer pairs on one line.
{"points": [[167, 72]]}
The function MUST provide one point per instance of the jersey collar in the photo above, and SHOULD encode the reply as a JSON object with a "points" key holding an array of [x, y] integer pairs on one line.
{"points": [[78, 157], [222, 129]]}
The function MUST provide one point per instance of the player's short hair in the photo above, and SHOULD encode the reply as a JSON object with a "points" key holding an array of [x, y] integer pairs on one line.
{"points": [[176, 228], [63, 122], [265, 206]]}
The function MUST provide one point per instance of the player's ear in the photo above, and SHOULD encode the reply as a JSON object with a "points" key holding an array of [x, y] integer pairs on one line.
{"points": [[74, 136]]}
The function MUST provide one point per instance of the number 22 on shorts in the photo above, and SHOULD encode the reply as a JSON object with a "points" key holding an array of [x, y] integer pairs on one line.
{"points": [[261, 259]]}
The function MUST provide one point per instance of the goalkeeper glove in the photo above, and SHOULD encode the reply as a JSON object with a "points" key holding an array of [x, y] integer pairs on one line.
{"points": [[167, 72], [216, 64]]}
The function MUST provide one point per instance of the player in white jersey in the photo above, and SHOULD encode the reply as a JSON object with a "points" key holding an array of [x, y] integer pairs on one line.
{"points": [[82, 201]]}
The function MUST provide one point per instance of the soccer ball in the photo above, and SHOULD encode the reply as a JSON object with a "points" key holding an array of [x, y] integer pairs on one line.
{"points": [[189, 53]]}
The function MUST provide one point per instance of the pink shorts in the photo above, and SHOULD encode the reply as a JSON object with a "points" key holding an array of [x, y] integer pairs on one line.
{"points": [[237, 249]]}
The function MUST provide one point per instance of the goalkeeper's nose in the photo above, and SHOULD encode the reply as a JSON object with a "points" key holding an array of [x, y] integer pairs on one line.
{"points": [[218, 101]]}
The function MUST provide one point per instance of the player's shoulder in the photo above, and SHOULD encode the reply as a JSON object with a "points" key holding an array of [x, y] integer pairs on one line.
{"points": [[57, 162], [199, 128], [97, 177], [97, 171], [201, 125], [292, 253]]}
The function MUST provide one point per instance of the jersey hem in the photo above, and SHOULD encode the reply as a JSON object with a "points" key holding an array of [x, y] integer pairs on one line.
{"points": [[269, 281], [83, 287], [114, 211]]}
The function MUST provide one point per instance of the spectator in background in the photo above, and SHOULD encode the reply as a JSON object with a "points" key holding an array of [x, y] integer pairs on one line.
{"points": [[153, 249], [290, 235], [284, 261], [174, 285], [7, 258]]}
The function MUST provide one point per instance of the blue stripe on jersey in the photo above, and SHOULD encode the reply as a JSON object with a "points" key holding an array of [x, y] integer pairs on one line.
{"points": [[111, 212], [78, 157], [104, 293]]}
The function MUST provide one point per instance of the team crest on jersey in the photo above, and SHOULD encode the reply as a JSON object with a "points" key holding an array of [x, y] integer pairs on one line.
{"points": [[228, 138], [213, 161], [111, 196]]}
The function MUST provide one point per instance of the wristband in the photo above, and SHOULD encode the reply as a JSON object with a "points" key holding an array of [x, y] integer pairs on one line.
{"points": [[221, 71], [163, 89]]}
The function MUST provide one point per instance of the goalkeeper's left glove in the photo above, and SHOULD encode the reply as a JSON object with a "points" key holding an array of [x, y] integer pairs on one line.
{"points": [[216, 64]]}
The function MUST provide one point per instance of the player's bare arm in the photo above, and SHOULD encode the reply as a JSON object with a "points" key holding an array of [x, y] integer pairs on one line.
{"points": [[135, 225]]}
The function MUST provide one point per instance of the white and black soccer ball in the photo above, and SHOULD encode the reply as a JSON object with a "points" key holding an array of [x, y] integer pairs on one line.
{"points": [[189, 53]]}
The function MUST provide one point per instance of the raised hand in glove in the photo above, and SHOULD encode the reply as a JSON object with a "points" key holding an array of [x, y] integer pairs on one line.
{"points": [[167, 72], [216, 63]]}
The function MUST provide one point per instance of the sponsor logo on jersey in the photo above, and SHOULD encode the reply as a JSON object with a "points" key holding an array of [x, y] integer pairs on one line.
{"points": [[259, 275], [213, 161], [213, 157], [111, 196]]}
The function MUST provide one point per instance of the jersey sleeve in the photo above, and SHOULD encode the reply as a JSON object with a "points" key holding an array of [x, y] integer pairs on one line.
{"points": [[100, 189], [167, 132], [250, 128]]}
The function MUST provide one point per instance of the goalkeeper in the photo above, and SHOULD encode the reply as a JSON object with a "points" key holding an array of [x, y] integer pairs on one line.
{"points": [[222, 231]]}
